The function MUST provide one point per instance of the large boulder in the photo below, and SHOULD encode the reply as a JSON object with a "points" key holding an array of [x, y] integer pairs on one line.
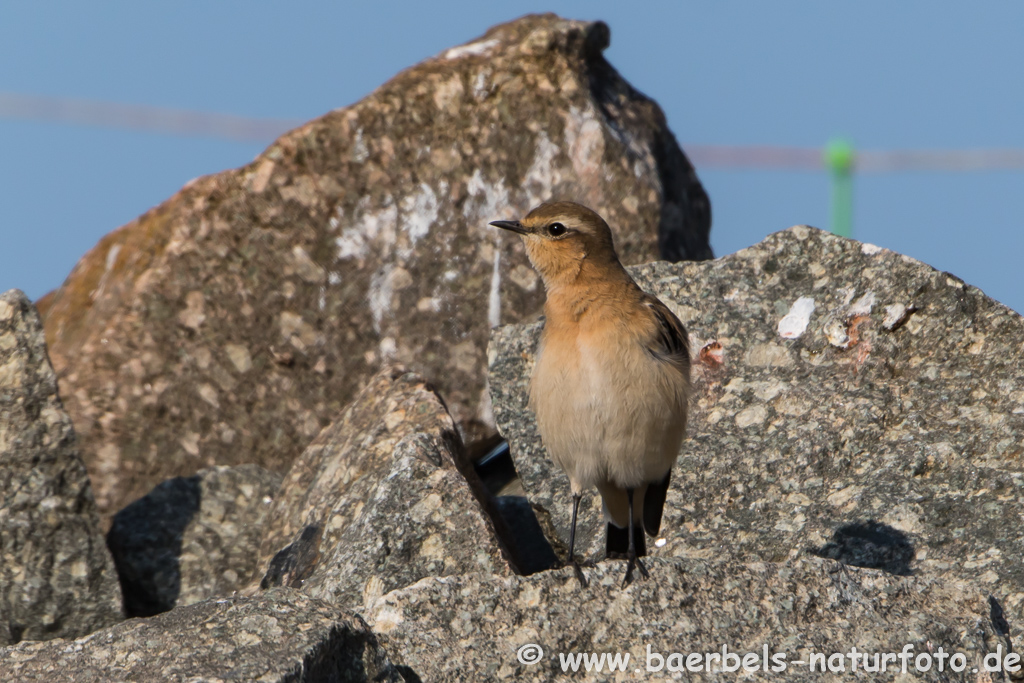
{"points": [[234, 321], [848, 402], [377, 501], [279, 636], [57, 579], [191, 538], [486, 628]]}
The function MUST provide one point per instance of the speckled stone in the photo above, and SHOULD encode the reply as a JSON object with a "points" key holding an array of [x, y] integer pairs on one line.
{"points": [[191, 538], [377, 501], [472, 627], [56, 577], [889, 433], [279, 636], [233, 322]]}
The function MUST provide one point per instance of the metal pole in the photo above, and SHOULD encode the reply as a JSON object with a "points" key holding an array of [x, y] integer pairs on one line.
{"points": [[839, 157]]}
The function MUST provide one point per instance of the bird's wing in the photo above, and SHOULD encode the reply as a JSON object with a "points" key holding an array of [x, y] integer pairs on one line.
{"points": [[654, 503], [669, 341]]}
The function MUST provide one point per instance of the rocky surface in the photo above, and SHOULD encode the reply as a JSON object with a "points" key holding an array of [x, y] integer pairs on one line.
{"points": [[853, 475], [475, 627], [233, 322], [880, 425], [56, 576], [280, 635], [377, 501], [191, 538], [851, 484]]}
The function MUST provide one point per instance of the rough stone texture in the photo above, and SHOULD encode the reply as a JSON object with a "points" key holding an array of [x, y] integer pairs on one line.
{"points": [[233, 322], [56, 576], [471, 627], [280, 635], [888, 434], [191, 538], [376, 502]]}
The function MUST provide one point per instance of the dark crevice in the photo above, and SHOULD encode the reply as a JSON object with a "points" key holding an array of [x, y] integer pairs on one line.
{"points": [[512, 519]]}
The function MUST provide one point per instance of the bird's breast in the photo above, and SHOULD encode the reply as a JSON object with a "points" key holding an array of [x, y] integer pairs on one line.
{"points": [[605, 408]]}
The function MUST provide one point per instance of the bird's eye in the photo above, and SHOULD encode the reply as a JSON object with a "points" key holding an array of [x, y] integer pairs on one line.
{"points": [[556, 230]]}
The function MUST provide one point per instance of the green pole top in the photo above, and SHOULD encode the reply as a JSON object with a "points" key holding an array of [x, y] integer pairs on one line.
{"points": [[838, 155]]}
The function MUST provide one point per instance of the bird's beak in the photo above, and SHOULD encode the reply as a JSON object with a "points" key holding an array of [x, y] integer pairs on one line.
{"points": [[514, 226]]}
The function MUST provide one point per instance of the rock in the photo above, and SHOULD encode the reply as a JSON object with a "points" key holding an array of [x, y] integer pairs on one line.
{"points": [[191, 538], [883, 430], [280, 635], [56, 577], [377, 501], [233, 322], [443, 628]]}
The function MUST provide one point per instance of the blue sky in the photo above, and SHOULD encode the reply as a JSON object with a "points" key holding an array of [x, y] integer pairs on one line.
{"points": [[886, 75]]}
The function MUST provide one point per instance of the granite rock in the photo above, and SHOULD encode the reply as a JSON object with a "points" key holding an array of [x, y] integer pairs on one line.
{"points": [[880, 424], [56, 577], [482, 628], [377, 501], [230, 324], [191, 538], [280, 635]]}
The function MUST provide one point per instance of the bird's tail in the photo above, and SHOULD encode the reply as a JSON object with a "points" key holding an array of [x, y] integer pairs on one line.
{"points": [[654, 504], [617, 540]]}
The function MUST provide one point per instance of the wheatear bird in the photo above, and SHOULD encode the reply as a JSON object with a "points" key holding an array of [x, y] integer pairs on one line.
{"points": [[612, 376]]}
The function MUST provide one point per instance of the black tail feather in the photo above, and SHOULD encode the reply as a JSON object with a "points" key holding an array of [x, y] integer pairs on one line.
{"points": [[654, 504], [617, 541]]}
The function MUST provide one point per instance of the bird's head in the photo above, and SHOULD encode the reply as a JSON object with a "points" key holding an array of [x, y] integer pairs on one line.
{"points": [[562, 239]]}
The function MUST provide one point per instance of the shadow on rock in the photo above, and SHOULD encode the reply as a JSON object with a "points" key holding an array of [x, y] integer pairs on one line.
{"points": [[295, 563], [998, 617], [349, 654], [872, 545], [145, 540]]}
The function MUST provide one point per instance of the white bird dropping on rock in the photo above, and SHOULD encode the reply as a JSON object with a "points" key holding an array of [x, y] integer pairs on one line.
{"points": [[795, 322]]}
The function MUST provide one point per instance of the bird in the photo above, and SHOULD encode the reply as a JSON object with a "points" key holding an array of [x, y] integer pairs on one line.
{"points": [[611, 380]]}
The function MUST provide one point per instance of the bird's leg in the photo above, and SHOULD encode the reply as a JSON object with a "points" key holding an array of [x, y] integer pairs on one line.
{"points": [[631, 558], [572, 541]]}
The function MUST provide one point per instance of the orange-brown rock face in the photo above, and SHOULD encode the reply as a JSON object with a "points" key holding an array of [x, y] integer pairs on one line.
{"points": [[231, 323]]}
